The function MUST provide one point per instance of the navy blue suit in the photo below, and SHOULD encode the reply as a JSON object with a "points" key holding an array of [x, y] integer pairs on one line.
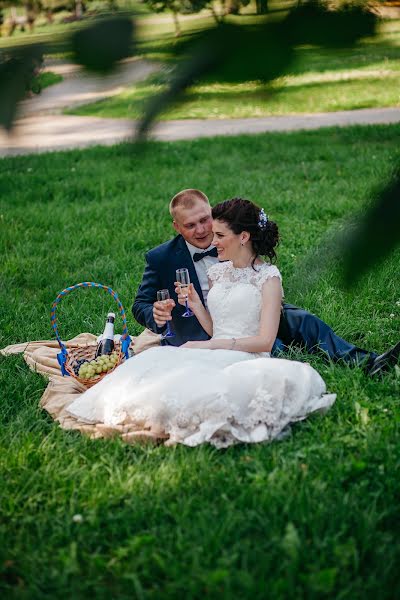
{"points": [[160, 273], [297, 326]]}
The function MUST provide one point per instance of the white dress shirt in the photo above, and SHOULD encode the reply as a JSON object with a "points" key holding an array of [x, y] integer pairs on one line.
{"points": [[202, 267]]}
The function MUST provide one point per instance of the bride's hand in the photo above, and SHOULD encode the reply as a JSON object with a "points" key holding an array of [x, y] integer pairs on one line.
{"points": [[193, 298]]}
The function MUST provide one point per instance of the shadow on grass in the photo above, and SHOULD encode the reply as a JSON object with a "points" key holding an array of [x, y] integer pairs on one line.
{"points": [[251, 99], [362, 55]]}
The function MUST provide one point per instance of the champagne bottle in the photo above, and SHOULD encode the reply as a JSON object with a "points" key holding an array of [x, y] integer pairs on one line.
{"points": [[106, 344]]}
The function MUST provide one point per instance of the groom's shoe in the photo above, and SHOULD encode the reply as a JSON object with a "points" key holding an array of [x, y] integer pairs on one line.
{"points": [[385, 361]]}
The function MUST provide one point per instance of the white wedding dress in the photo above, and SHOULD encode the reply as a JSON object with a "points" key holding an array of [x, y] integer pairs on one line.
{"points": [[216, 396]]}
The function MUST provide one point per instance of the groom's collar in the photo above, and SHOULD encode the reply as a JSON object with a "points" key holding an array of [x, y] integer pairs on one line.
{"points": [[193, 249]]}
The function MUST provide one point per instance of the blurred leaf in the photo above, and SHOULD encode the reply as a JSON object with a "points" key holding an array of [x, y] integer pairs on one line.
{"points": [[97, 47], [365, 241], [241, 52], [227, 53], [17, 69], [102, 44], [376, 234], [202, 61]]}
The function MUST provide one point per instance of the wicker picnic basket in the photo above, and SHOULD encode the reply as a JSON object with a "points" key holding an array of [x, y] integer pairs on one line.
{"points": [[70, 360]]}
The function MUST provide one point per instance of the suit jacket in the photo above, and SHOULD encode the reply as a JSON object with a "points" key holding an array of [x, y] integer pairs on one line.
{"points": [[160, 273]]}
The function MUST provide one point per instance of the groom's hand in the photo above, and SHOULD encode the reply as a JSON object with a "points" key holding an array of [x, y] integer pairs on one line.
{"points": [[162, 311]]}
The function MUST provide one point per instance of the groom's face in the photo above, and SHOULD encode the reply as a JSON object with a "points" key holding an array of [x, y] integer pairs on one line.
{"points": [[195, 224]]}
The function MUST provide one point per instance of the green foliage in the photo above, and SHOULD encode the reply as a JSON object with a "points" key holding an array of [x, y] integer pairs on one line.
{"points": [[17, 74], [316, 515], [377, 231], [103, 43]]}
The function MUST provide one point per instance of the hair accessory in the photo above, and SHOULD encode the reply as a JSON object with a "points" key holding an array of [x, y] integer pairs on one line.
{"points": [[262, 219]]}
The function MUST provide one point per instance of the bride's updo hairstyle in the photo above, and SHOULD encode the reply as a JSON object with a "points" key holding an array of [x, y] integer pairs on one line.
{"points": [[242, 215]]}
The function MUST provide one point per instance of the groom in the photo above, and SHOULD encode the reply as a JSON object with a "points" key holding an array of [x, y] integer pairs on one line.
{"points": [[191, 248]]}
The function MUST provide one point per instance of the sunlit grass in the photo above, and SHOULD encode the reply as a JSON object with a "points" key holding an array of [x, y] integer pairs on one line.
{"points": [[319, 80], [316, 515], [288, 95]]}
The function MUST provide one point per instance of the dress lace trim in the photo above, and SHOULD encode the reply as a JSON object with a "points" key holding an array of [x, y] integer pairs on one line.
{"points": [[226, 272]]}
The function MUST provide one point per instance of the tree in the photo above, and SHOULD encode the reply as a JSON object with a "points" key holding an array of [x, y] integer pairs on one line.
{"points": [[262, 7]]}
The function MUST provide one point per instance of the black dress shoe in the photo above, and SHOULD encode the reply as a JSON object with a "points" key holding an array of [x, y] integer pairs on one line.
{"points": [[385, 361]]}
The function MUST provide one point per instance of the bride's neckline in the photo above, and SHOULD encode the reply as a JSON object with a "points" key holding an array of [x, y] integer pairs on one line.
{"points": [[260, 264]]}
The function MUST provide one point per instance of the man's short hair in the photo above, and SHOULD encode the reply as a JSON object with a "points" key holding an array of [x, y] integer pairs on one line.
{"points": [[187, 199]]}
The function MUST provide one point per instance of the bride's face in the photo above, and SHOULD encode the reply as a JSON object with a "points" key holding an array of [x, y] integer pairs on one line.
{"points": [[227, 243]]}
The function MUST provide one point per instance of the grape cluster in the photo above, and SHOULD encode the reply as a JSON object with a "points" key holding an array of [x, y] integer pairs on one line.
{"points": [[78, 364], [90, 369]]}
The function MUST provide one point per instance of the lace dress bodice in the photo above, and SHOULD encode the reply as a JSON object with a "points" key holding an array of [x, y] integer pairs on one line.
{"points": [[235, 298]]}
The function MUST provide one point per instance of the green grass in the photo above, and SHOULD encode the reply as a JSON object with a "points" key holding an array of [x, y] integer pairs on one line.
{"points": [[48, 78], [366, 76], [314, 516]]}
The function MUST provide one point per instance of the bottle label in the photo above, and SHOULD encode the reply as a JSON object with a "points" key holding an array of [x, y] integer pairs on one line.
{"points": [[108, 331]]}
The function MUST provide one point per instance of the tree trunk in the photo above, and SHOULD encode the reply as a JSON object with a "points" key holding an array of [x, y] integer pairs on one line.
{"points": [[78, 9], [262, 7], [214, 13], [233, 7], [176, 23]]}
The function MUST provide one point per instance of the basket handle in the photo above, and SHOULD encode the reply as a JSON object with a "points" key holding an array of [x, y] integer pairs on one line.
{"points": [[125, 339]]}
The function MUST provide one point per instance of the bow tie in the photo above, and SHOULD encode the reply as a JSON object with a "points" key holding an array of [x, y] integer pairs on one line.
{"points": [[200, 255]]}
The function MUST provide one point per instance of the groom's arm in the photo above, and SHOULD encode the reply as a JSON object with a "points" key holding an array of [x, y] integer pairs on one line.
{"points": [[142, 308]]}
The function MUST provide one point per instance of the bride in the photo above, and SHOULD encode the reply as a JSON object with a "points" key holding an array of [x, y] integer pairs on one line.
{"points": [[227, 389]]}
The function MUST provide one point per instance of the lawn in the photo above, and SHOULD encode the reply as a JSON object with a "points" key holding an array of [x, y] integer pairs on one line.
{"points": [[313, 516], [48, 78], [319, 80]]}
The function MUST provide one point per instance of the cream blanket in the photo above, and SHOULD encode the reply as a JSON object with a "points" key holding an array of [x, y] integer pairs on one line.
{"points": [[41, 357]]}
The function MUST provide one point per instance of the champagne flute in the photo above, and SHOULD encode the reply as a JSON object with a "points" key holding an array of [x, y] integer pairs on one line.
{"points": [[162, 296], [183, 278]]}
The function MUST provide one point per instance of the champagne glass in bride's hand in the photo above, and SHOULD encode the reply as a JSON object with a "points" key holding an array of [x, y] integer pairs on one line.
{"points": [[182, 277], [163, 296]]}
